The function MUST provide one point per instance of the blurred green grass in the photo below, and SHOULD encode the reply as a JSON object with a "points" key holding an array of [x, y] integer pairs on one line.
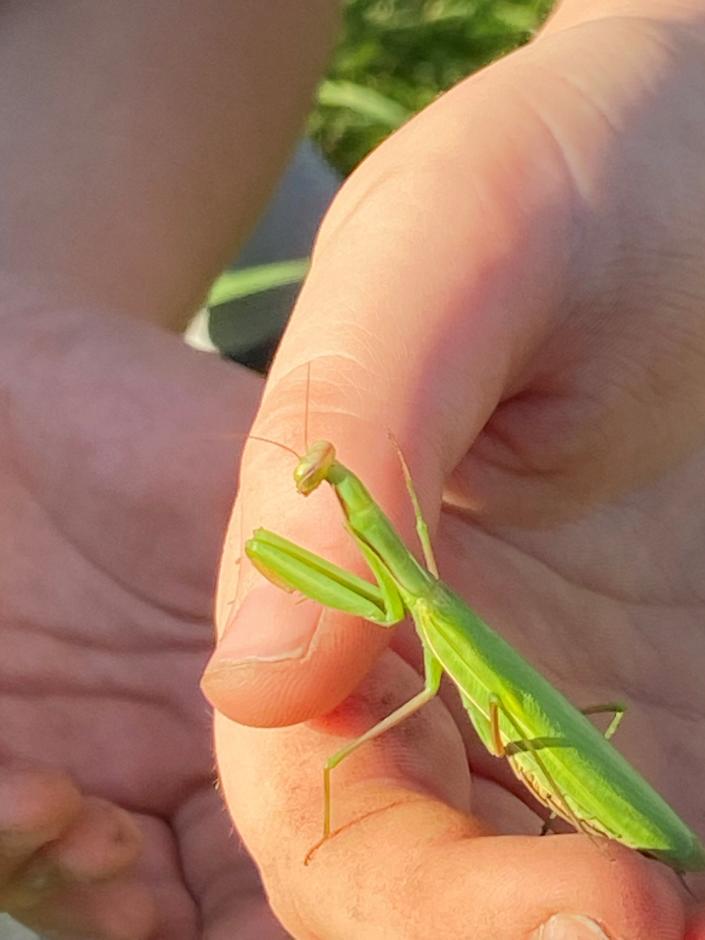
{"points": [[404, 53]]}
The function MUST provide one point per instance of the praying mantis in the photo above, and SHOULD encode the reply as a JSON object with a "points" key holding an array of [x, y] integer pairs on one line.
{"points": [[551, 746]]}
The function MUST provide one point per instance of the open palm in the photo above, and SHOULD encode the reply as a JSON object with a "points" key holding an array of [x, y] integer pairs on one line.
{"points": [[115, 480]]}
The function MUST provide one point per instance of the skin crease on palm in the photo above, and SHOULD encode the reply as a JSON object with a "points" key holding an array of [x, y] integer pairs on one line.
{"points": [[514, 285]]}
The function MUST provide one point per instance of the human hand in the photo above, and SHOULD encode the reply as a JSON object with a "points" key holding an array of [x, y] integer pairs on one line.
{"points": [[112, 496], [514, 285], [116, 471]]}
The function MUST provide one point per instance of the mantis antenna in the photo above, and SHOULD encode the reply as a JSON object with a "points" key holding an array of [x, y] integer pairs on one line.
{"points": [[308, 399]]}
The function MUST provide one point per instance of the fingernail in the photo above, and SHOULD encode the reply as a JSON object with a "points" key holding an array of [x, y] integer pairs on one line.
{"points": [[569, 927], [268, 627]]}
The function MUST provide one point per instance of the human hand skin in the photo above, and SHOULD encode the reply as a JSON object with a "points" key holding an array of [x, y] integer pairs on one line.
{"points": [[112, 508], [514, 286], [138, 147]]}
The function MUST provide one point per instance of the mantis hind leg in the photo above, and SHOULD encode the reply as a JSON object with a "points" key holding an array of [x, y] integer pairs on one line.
{"points": [[618, 710], [432, 680], [421, 524]]}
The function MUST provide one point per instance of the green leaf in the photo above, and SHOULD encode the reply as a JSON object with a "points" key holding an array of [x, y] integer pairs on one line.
{"points": [[517, 17], [255, 280], [366, 102]]}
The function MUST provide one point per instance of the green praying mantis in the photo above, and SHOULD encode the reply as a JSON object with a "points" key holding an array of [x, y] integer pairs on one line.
{"points": [[563, 759]]}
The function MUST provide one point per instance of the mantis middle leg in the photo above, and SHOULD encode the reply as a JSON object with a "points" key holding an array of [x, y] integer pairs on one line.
{"points": [[432, 680]]}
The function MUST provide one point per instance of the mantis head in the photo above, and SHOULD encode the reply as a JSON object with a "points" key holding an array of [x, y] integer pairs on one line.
{"points": [[312, 469]]}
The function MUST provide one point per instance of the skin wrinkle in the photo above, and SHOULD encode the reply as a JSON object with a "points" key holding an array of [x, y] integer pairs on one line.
{"points": [[302, 405], [145, 697], [367, 354], [653, 28], [568, 80], [561, 150], [98, 568], [503, 540], [334, 222], [111, 643], [635, 690], [327, 414], [581, 92], [219, 890], [510, 370], [128, 591], [179, 860], [578, 200], [75, 662], [520, 463], [609, 17], [506, 531], [100, 495], [155, 805], [59, 692], [187, 816]]}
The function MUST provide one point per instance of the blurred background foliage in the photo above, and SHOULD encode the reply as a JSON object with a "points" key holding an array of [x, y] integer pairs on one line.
{"points": [[396, 56]]}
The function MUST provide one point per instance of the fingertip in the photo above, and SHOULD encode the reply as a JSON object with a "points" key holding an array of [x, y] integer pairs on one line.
{"points": [[36, 806], [279, 662], [102, 841], [280, 659]]}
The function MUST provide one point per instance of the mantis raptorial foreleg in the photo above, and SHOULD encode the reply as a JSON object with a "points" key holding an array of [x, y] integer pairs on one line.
{"points": [[391, 599], [293, 568]]}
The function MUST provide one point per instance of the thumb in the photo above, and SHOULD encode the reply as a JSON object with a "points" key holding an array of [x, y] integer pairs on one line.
{"points": [[437, 272]]}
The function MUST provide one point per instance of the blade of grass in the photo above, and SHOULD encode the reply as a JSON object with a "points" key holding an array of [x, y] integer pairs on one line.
{"points": [[369, 104], [254, 280]]}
